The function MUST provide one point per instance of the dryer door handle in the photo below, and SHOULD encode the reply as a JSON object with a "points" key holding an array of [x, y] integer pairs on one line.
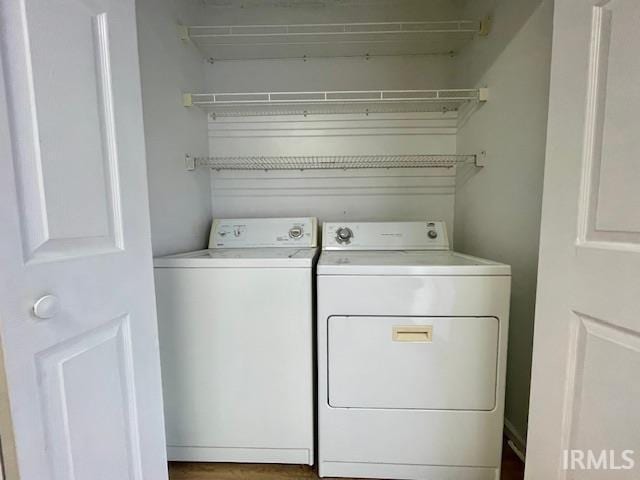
{"points": [[413, 333]]}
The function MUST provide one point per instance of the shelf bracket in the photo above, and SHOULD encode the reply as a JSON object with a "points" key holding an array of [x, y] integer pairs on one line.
{"points": [[189, 162], [183, 33], [468, 110], [485, 26], [481, 159]]}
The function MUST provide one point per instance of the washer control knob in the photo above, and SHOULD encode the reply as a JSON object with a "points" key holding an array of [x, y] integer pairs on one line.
{"points": [[344, 235], [432, 234], [296, 232]]}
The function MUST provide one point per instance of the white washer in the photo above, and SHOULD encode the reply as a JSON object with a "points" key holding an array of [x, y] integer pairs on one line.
{"points": [[236, 343], [412, 343]]}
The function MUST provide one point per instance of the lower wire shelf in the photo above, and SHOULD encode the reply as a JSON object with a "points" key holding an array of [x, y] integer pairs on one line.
{"points": [[318, 162]]}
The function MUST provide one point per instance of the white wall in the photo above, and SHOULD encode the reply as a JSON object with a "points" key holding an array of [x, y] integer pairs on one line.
{"points": [[497, 211], [179, 200], [260, 12], [340, 73], [376, 194]]}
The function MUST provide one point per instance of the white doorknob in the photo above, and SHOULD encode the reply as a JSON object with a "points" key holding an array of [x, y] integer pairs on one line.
{"points": [[46, 307]]}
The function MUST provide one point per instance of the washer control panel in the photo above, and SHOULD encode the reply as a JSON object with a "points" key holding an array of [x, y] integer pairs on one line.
{"points": [[264, 232], [429, 235]]}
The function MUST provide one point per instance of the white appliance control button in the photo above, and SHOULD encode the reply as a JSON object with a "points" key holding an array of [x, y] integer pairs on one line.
{"points": [[432, 234], [344, 235], [296, 232]]}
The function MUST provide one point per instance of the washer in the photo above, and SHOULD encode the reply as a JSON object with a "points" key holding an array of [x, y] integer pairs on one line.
{"points": [[412, 343], [236, 343]]}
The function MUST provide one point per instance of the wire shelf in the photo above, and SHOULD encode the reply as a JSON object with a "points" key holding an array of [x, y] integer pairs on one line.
{"points": [[317, 162], [345, 101], [305, 29], [221, 42]]}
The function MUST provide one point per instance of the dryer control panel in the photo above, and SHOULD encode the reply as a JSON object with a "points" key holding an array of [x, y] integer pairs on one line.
{"points": [[428, 235], [264, 232]]}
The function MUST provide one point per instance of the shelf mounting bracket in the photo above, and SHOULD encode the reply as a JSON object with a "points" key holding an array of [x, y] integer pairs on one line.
{"points": [[189, 162], [481, 159], [485, 26], [183, 33]]}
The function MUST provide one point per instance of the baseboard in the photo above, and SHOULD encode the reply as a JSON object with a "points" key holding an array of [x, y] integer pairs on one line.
{"points": [[516, 438], [405, 471], [240, 455]]}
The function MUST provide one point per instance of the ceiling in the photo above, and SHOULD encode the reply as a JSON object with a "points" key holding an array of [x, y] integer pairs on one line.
{"points": [[307, 3]]}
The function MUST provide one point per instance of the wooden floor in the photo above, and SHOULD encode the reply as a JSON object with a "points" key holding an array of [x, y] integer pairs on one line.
{"points": [[512, 469]]}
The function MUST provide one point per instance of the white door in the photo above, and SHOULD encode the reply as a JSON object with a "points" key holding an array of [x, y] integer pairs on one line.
{"points": [[585, 396], [84, 376]]}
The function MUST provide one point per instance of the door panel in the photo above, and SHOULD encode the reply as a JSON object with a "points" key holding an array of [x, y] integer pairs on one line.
{"points": [[84, 382], [584, 393], [611, 172], [84, 375], [68, 189], [604, 357]]}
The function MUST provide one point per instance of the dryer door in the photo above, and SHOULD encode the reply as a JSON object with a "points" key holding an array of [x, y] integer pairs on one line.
{"points": [[434, 363]]}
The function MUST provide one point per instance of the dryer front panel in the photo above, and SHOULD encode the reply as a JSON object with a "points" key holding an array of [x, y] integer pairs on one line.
{"points": [[429, 363]]}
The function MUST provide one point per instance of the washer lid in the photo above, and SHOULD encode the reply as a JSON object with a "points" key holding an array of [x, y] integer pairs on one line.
{"points": [[405, 262], [241, 258]]}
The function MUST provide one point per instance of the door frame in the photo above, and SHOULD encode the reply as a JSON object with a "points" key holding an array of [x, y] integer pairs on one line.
{"points": [[8, 458]]}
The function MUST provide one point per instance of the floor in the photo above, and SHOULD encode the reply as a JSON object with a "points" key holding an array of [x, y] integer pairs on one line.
{"points": [[512, 469]]}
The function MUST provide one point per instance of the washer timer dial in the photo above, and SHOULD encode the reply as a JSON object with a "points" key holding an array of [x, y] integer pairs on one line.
{"points": [[296, 232]]}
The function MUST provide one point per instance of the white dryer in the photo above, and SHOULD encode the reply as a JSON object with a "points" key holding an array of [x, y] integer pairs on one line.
{"points": [[412, 343], [236, 343]]}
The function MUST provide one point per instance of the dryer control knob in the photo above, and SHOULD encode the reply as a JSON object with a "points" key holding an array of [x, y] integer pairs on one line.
{"points": [[344, 235], [432, 234]]}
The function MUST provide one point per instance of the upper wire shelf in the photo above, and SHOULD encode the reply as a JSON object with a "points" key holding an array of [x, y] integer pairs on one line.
{"points": [[323, 162], [354, 101], [225, 42]]}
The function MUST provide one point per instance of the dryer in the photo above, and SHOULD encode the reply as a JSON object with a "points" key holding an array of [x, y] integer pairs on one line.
{"points": [[412, 343], [236, 343]]}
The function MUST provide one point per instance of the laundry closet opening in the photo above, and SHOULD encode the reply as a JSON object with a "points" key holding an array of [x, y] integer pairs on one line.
{"points": [[355, 111]]}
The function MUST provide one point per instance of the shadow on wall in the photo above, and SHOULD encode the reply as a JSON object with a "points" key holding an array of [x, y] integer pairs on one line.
{"points": [[497, 211], [507, 18]]}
